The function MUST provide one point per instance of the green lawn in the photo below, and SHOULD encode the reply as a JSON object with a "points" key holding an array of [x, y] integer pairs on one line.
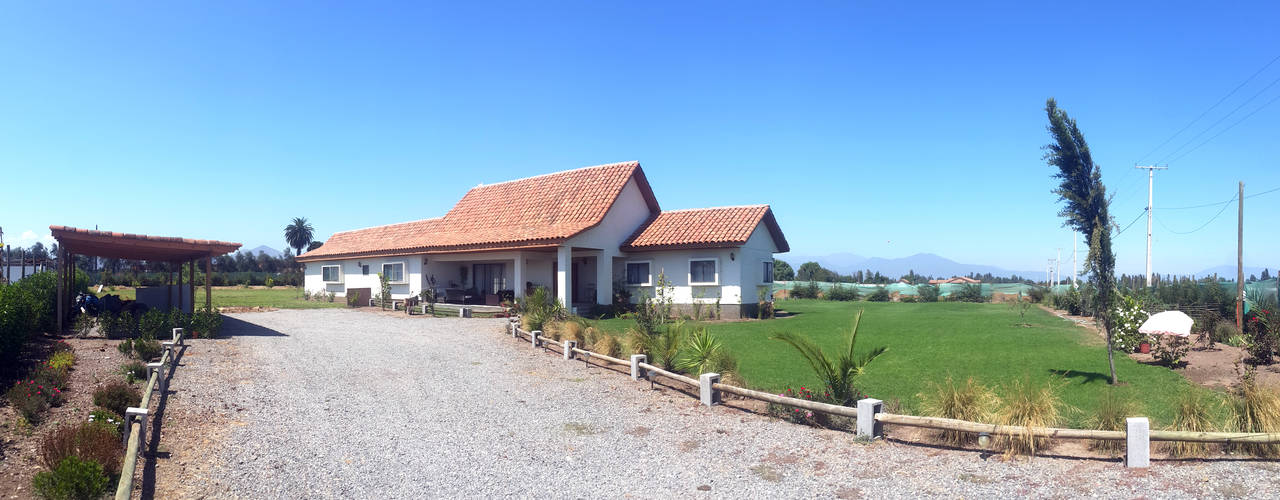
{"points": [[929, 341], [279, 297]]}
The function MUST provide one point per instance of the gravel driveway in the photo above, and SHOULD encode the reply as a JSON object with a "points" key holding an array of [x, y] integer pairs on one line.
{"points": [[341, 403]]}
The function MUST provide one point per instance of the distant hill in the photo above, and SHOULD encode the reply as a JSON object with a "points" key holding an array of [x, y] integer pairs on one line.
{"points": [[925, 264], [267, 250]]}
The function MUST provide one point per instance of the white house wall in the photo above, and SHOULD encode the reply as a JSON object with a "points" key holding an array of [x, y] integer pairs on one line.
{"points": [[353, 277], [758, 250]]}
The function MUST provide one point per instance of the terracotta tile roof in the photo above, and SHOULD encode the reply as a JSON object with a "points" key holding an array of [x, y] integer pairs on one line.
{"points": [[537, 211], [705, 228]]}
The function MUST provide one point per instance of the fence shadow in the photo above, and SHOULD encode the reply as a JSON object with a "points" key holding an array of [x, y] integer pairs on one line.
{"points": [[232, 327], [151, 453]]}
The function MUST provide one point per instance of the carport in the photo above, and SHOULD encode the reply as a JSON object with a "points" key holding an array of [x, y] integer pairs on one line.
{"points": [[183, 252]]}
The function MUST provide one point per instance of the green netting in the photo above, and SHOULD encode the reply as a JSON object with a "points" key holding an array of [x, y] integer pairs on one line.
{"points": [[905, 289]]}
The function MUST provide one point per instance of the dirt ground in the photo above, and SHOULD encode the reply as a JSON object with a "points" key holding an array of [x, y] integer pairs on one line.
{"points": [[1217, 367], [97, 362]]}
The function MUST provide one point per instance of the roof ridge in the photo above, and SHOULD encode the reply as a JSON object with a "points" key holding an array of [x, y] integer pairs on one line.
{"points": [[757, 205], [617, 164], [385, 225]]}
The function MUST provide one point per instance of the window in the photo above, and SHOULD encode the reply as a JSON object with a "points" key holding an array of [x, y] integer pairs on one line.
{"points": [[364, 269], [638, 274], [489, 278], [702, 272], [768, 272], [331, 274], [394, 271]]}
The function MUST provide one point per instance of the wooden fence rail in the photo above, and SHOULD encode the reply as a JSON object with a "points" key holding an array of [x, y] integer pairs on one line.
{"points": [[1137, 435], [136, 418]]}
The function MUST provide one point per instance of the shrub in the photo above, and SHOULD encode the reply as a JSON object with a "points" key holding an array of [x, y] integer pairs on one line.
{"points": [[1037, 294], [968, 293], [96, 442], [698, 352], [32, 397], [1224, 331], [666, 349], [801, 415], [881, 294], [539, 308], [1127, 316], [206, 324], [147, 348], [638, 342], [1193, 412], [1032, 407], [575, 330], [71, 479], [133, 371], [928, 293], [842, 293], [1170, 350], [607, 345], [117, 397], [1110, 415], [107, 418], [84, 325], [152, 324], [353, 300], [62, 360], [807, 290], [838, 372], [968, 401], [1255, 408]]}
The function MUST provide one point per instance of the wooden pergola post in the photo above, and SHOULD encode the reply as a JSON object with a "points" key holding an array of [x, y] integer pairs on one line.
{"points": [[178, 290], [62, 282], [208, 281], [191, 285]]}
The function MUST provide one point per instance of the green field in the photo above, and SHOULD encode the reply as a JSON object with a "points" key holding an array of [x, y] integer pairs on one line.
{"points": [[928, 342], [279, 297]]}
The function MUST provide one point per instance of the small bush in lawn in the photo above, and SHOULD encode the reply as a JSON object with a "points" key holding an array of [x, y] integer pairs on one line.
{"points": [[117, 397], [73, 478], [804, 291], [133, 371], [107, 418], [62, 360], [1112, 411], [93, 441], [1255, 409], [968, 293], [1030, 406], [962, 401], [881, 294], [607, 345], [1192, 413], [928, 293], [842, 293]]}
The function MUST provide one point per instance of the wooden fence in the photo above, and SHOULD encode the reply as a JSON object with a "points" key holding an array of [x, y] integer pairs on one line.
{"points": [[869, 415], [136, 419]]}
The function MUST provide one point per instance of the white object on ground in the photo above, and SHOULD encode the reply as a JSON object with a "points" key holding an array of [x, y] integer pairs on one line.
{"points": [[1167, 323]]}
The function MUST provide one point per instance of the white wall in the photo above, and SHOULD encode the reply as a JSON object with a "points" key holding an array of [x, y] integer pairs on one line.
{"points": [[740, 276], [758, 250], [622, 220], [353, 276]]}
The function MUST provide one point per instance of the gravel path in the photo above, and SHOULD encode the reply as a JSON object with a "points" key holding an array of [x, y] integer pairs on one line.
{"points": [[340, 403]]}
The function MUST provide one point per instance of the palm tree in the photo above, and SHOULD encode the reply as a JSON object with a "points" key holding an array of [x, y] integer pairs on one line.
{"points": [[837, 373], [298, 234]]}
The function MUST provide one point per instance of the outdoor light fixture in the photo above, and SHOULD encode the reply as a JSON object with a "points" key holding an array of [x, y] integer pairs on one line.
{"points": [[730, 255]]}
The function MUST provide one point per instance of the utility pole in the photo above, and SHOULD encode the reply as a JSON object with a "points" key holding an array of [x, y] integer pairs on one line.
{"points": [[1057, 268], [1151, 178], [1074, 239], [1240, 261]]}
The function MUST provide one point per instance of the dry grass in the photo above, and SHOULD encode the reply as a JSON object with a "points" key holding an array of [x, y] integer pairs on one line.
{"points": [[964, 401], [1033, 406], [1194, 413], [607, 345], [1110, 415], [1256, 408]]}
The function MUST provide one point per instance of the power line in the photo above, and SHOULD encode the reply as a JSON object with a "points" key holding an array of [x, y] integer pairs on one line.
{"points": [[1216, 203], [1215, 136], [1135, 220], [1206, 223], [1211, 108], [1224, 117]]}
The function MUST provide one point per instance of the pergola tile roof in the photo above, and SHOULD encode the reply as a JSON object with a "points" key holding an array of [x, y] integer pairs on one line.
{"points": [[720, 227], [137, 246]]}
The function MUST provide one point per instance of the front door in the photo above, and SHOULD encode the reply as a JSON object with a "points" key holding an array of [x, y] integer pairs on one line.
{"points": [[575, 284]]}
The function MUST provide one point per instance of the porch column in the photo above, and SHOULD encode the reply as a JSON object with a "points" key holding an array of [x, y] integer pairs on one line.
{"points": [[604, 278], [518, 275], [564, 278]]}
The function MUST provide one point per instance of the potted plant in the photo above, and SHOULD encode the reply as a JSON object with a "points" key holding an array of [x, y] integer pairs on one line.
{"points": [[1145, 347]]}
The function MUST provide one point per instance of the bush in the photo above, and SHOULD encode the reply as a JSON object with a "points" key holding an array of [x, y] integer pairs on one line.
{"points": [[842, 293], [541, 307], [107, 418], [133, 371], [1223, 331], [699, 351], [1193, 412], [1170, 350], [801, 415], [1032, 407], [804, 290], [71, 479], [1128, 316], [206, 324], [1110, 416], [1037, 294], [117, 397], [93, 441], [607, 345], [33, 396], [1255, 408], [968, 401], [152, 324], [968, 293], [881, 294], [147, 348], [62, 360], [927, 293]]}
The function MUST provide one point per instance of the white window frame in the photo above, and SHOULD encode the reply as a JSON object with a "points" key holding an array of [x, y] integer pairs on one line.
{"points": [[768, 275], [338, 266], [648, 278], [404, 275], [716, 281]]}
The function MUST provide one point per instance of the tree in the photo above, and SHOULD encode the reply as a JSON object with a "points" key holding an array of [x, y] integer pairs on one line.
{"points": [[1085, 210], [782, 271], [314, 245], [810, 271], [1266, 275], [298, 234]]}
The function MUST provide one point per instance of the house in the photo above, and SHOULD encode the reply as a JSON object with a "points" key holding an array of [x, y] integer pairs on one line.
{"points": [[580, 233]]}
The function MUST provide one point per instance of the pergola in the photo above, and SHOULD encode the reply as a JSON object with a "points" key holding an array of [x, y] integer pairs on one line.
{"points": [[91, 242]]}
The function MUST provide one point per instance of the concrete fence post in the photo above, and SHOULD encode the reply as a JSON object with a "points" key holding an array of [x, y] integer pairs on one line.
{"points": [[534, 337], [464, 312], [131, 414], [868, 426], [168, 349], [1137, 443], [637, 372], [569, 346], [706, 392], [177, 335], [155, 368]]}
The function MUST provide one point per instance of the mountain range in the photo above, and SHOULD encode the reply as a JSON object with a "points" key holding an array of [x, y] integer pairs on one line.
{"points": [[925, 264], [271, 252]]}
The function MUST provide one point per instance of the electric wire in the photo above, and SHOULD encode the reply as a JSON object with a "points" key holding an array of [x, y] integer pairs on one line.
{"points": [[1206, 223], [1135, 220], [1224, 117], [1216, 203], [1211, 108], [1229, 127]]}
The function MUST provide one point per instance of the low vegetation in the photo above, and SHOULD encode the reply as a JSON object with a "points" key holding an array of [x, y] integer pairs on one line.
{"points": [[969, 401]]}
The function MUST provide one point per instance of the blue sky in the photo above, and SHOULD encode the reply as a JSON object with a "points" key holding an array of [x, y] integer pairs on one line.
{"points": [[872, 128]]}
